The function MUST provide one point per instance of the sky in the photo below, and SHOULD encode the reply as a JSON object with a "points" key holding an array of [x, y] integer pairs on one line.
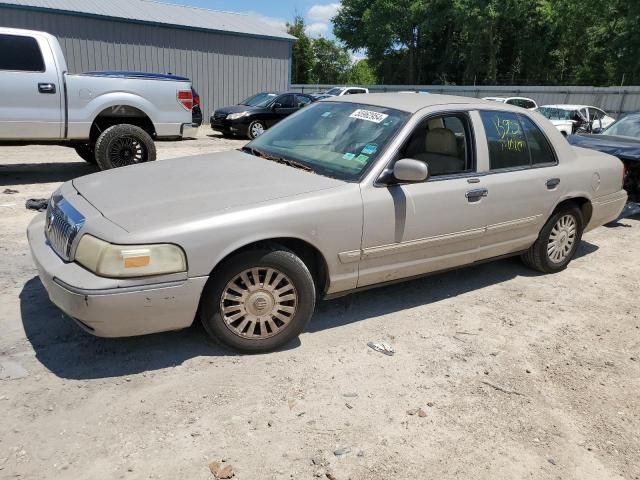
{"points": [[317, 14]]}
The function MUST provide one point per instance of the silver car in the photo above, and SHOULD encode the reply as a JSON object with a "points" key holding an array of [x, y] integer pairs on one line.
{"points": [[348, 193]]}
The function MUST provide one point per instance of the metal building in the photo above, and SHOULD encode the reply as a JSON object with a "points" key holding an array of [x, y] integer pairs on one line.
{"points": [[228, 56]]}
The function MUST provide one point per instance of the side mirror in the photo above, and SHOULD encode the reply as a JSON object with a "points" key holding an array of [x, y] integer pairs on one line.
{"points": [[410, 170], [277, 105]]}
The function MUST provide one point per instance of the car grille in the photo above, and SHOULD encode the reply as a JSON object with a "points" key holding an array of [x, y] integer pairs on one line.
{"points": [[219, 116], [62, 224]]}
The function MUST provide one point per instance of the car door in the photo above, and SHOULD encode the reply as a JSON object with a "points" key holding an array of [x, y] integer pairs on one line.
{"points": [[413, 229], [522, 179], [31, 97], [283, 106]]}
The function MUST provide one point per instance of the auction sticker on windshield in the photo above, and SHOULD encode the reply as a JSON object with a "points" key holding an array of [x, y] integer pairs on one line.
{"points": [[368, 115]]}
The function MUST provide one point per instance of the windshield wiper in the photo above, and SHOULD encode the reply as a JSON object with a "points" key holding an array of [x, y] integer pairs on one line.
{"points": [[273, 158]]}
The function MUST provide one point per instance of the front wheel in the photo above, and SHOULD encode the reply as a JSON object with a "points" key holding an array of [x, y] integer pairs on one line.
{"points": [[122, 145], [558, 241], [256, 128], [258, 300]]}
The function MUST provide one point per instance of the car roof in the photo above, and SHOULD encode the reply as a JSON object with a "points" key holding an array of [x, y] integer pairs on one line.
{"points": [[508, 98], [414, 103]]}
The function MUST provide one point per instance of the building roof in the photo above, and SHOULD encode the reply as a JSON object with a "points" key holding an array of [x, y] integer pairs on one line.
{"points": [[157, 13]]}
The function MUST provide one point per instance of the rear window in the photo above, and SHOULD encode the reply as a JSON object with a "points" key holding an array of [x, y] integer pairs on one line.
{"points": [[20, 53], [515, 141]]}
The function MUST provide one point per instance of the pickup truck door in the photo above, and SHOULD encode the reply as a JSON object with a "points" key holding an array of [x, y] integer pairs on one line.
{"points": [[413, 229], [32, 98], [520, 172]]}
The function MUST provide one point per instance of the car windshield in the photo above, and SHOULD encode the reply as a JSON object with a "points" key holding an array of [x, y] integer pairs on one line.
{"points": [[625, 127], [555, 113], [259, 100], [339, 140], [334, 91]]}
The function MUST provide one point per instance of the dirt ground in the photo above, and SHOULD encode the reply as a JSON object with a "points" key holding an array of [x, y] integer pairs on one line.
{"points": [[517, 375]]}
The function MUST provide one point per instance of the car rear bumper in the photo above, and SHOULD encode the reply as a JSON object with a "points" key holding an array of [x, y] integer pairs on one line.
{"points": [[112, 310], [189, 130], [607, 209]]}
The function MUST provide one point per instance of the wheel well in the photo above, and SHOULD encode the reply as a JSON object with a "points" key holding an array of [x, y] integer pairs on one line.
{"points": [[119, 114], [310, 255], [582, 203]]}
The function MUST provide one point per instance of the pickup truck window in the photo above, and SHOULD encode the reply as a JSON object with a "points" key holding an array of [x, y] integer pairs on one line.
{"points": [[20, 53]]}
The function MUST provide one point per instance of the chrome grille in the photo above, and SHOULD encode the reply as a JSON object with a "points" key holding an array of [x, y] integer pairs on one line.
{"points": [[62, 224]]}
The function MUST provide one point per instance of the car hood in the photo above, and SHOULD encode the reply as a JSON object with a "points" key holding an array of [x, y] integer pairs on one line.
{"points": [[622, 147], [153, 195]]}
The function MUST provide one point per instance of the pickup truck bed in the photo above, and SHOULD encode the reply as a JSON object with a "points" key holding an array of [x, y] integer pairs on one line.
{"points": [[110, 118]]}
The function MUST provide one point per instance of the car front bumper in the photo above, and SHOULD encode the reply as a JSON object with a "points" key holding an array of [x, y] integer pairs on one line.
{"points": [[106, 307], [236, 127]]}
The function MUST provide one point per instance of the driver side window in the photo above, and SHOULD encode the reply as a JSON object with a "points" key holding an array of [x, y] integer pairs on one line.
{"points": [[442, 142]]}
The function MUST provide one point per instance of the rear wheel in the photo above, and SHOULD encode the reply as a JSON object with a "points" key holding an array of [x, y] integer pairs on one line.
{"points": [[122, 145], [258, 300], [558, 241], [86, 152]]}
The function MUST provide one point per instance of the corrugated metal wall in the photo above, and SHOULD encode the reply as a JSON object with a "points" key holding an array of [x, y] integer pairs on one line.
{"points": [[614, 100], [224, 68]]}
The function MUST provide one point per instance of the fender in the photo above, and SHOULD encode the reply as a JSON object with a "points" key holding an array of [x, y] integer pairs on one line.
{"points": [[81, 117]]}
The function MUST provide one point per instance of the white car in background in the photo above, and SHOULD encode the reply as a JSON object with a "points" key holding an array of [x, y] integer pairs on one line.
{"points": [[522, 102], [564, 120], [594, 117]]}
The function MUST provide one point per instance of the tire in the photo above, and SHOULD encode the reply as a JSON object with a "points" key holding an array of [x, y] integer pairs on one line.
{"points": [[86, 152], [255, 324], [255, 129], [122, 145], [565, 222]]}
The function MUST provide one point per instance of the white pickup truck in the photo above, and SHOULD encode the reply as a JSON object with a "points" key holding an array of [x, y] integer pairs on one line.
{"points": [[110, 120]]}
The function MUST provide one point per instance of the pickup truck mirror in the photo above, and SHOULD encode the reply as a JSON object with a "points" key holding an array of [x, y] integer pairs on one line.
{"points": [[410, 170]]}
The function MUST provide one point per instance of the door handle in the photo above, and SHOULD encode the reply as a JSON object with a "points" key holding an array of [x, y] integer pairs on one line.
{"points": [[476, 195], [47, 87], [553, 183]]}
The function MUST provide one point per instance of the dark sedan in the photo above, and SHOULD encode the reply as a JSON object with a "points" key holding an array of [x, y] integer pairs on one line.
{"points": [[251, 117], [621, 139]]}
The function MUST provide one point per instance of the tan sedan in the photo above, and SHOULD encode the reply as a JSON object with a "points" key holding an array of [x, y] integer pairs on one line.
{"points": [[348, 193]]}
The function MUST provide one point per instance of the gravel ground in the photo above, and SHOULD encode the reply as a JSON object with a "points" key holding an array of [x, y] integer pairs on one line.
{"points": [[515, 375]]}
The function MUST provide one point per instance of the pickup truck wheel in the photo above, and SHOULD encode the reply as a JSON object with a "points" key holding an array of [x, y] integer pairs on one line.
{"points": [[122, 145], [256, 128], [558, 241], [258, 300], [86, 152]]}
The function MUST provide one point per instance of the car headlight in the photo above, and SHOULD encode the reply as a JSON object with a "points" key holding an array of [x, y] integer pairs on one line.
{"points": [[235, 116], [125, 261]]}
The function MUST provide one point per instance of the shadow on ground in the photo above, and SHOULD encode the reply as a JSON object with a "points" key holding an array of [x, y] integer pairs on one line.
{"points": [[69, 352], [30, 173]]}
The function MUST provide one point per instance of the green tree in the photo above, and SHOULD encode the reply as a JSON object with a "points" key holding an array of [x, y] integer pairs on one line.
{"points": [[360, 73], [330, 61], [302, 54]]}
